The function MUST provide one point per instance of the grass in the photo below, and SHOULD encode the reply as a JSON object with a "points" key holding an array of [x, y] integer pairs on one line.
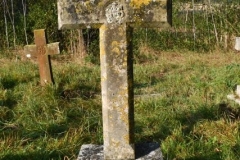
{"points": [[190, 116]]}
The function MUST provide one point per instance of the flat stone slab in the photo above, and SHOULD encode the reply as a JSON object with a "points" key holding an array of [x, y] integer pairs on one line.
{"points": [[143, 151], [234, 98]]}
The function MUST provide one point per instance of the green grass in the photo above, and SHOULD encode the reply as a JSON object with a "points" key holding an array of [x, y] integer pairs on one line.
{"points": [[190, 116]]}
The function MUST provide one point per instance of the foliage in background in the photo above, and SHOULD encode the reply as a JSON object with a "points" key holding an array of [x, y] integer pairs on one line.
{"points": [[201, 27], [198, 25]]}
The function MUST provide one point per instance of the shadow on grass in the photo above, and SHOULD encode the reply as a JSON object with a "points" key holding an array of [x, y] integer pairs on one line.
{"points": [[56, 130], [82, 91], [230, 112], [190, 118], [211, 113], [154, 79], [38, 155], [9, 83], [161, 130], [162, 133], [10, 103], [236, 149], [7, 105], [187, 119]]}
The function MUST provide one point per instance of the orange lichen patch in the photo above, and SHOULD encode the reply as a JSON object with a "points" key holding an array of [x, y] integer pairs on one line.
{"points": [[116, 50], [115, 44], [102, 33], [139, 3], [126, 138]]}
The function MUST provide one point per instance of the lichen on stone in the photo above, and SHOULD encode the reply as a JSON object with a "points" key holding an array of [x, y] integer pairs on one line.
{"points": [[139, 3]]}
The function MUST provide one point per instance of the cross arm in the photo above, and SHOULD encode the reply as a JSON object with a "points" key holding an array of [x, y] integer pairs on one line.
{"points": [[31, 50], [53, 48], [94, 13]]}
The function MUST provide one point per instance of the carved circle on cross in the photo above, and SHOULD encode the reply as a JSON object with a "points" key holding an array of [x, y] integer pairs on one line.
{"points": [[115, 13], [41, 50]]}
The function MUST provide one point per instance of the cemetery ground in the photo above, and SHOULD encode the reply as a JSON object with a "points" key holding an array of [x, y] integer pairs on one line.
{"points": [[180, 102]]}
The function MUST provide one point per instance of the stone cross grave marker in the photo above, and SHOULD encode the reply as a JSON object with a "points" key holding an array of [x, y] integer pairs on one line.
{"points": [[42, 51], [115, 19]]}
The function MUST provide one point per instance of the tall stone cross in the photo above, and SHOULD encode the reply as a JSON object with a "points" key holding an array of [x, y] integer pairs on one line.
{"points": [[42, 51], [115, 19]]}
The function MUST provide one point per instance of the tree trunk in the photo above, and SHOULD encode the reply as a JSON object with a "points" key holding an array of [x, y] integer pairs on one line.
{"points": [[81, 44], [24, 20], [13, 25], [5, 21]]}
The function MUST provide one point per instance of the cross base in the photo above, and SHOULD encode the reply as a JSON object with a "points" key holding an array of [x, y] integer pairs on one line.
{"points": [[144, 151]]}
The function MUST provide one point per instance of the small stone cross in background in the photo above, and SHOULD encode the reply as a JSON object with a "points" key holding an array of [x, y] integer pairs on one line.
{"points": [[116, 20], [42, 51]]}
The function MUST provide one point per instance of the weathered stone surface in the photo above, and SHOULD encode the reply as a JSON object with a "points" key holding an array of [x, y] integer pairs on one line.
{"points": [[237, 43], [42, 50], [144, 151], [117, 91], [91, 152], [51, 49], [236, 96], [30, 51], [94, 13], [115, 18]]}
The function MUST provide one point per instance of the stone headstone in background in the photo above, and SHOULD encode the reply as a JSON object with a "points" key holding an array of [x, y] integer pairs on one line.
{"points": [[236, 96], [237, 43]]}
